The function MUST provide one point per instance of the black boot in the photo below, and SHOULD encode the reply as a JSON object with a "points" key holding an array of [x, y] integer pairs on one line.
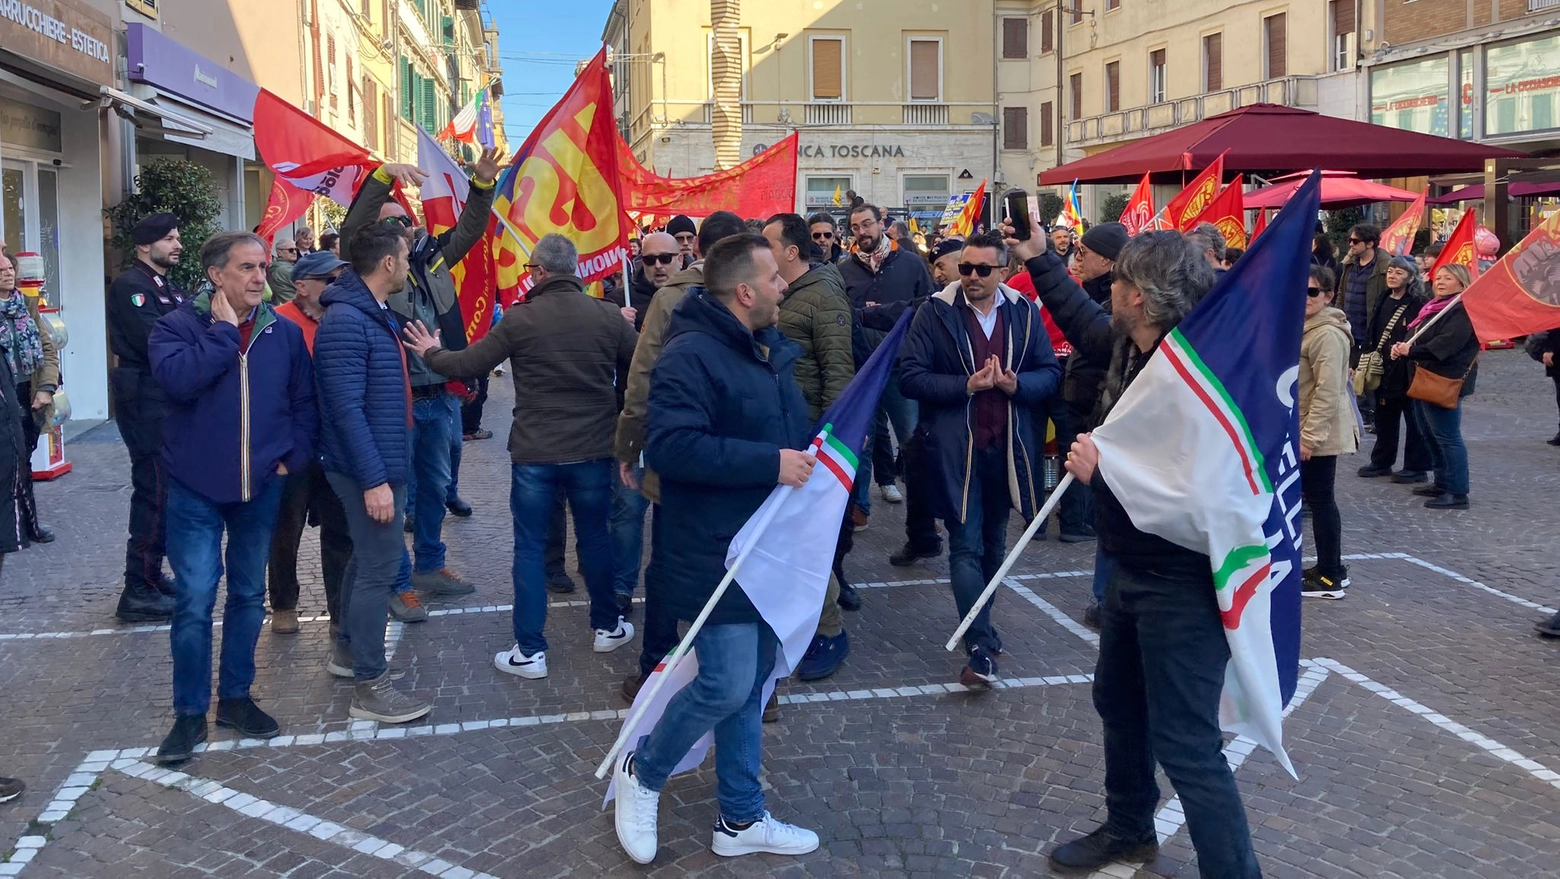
{"points": [[179, 745], [140, 603], [849, 598], [1554, 440], [1103, 847]]}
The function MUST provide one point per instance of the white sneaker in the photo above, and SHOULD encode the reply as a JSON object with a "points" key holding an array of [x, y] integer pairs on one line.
{"points": [[892, 494], [514, 661], [764, 835], [636, 813], [606, 641]]}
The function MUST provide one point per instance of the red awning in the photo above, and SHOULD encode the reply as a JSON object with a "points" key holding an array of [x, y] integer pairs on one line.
{"points": [[1340, 189], [1515, 190], [1268, 139]]}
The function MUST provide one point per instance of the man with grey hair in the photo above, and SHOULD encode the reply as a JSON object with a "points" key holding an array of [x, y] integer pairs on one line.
{"points": [[565, 351], [223, 360], [1211, 242], [282, 288], [1163, 652]]}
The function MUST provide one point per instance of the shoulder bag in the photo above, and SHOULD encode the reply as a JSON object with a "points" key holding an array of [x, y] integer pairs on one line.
{"points": [[1367, 374], [1438, 390]]}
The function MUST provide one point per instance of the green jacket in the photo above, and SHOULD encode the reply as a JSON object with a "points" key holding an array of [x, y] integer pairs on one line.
{"points": [[815, 314]]}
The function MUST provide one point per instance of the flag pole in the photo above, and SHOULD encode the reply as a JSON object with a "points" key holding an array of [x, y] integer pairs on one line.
{"points": [[671, 660], [1007, 564], [1435, 317]]}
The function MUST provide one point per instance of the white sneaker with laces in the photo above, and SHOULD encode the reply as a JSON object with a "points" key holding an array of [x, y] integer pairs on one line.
{"points": [[514, 661], [764, 835], [636, 812], [606, 641], [892, 494]]}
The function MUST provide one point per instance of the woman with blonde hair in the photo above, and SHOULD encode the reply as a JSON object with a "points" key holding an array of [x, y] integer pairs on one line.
{"points": [[1445, 353]]}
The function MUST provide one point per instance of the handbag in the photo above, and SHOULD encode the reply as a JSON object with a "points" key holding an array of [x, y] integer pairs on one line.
{"points": [[1438, 390], [1368, 373]]}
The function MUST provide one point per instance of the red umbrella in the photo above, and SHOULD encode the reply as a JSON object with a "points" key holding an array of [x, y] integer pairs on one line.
{"points": [[1267, 138], [1340, 189]]}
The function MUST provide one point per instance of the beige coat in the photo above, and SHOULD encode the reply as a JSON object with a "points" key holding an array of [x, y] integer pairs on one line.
{"points": [[633, 422], [1328, 425]]}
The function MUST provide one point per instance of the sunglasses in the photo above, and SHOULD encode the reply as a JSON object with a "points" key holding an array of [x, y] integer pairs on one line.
{"points": [[684, 237], [404, 222], [822, 236], [289, 250], [969, 268], [660, 259], [1313, 292], [1356, 241]]}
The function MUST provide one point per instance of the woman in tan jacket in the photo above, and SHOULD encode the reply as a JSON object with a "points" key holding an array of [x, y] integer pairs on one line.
{"points": [[1328, 428], [28, 348]]}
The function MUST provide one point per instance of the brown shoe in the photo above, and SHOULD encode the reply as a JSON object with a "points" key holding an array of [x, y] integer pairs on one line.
{"points": [[858, 519], [772, 709], [632, 685], [284, 622]]}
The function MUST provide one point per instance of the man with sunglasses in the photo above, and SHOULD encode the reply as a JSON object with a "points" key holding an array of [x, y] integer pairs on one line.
{"points": [[282, 289], [826, 235], [659, 258], [978, 360], [685, 233], [1362, 279], [429, 296]]}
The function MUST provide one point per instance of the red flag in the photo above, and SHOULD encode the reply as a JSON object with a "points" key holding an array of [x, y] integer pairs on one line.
{"points": [[1140, 208], [565, 179], [964, 224], [309, 154], [1459, 248], [1260, 225], [1520, 294], [1182, 212], [287, 204], [1399, 237], [1228, 212], [762, 186]]}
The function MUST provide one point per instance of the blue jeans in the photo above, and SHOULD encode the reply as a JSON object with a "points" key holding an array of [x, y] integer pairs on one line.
{"points": [[1104, 569], [1156, 687], [1442, 430], [533, 490], [433, 420], [976, 546], [904, 413], [457, 443], [628, 533], [727, 696], [195, 527]]}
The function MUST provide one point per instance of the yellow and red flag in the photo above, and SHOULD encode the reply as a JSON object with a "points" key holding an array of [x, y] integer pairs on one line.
{"points": [[1140, 208], [1459, 249], [964, 225], [564, 179], [1520, 294], [1182, 212], [1399, 236], [1228, 212]]}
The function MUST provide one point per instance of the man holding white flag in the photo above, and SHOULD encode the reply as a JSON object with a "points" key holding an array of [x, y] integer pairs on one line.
{"points": [[727, 423]]}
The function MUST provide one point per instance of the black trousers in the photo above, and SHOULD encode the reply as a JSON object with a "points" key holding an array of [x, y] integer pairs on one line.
{"points": [[1556, 380], [471, 413], [660, 636], [305, 493], [1317, 477], [30, 433], [1390, 412], [138, 406], [920, 524]]}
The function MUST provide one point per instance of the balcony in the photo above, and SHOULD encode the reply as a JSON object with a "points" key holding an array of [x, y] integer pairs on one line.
{"points": [[925, 114], [1540, 5], [828, 114], [806, 114], [1293, 91]]}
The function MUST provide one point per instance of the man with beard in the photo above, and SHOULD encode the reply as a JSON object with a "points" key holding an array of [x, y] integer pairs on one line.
{"points": [[826, 235], [136, 300]]}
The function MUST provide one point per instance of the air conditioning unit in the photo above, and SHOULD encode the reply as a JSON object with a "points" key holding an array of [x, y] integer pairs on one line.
{"points": [[982, 119]]}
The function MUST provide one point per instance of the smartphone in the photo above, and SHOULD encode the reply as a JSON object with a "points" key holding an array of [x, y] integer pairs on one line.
{"points": [[1017, 205]]}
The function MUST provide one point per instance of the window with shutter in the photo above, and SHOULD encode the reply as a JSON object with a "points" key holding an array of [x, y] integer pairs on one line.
{"points": [[330, 69], [351, 94], [1111, 5], [408, 91], [370, 113], [1156, 76], [1015, 128], [1113, 86], [1277, 55], [1075, 95], [1213, 62], [1047, 124], [1015, 38], [925, 70], [828, 62], [429, 104], [1077, 12], [1343, 24], [1047, 32], [390, 126]]}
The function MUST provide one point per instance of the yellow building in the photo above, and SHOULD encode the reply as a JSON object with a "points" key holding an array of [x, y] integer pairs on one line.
{"points": [[900, 108]]}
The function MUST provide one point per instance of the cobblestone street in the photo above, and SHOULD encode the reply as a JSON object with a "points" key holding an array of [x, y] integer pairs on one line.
{"points": [[1426, 731]]}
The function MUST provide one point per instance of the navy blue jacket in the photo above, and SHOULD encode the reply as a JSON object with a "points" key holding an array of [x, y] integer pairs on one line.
{"points": [[232, 416], [935, 364], [363, 388], [721, 409]]}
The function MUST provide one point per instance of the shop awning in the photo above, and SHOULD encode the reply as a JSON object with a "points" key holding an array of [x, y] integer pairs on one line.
{"points": [[167, 118], [1268, 139], [151, 119], [1515, 190]]}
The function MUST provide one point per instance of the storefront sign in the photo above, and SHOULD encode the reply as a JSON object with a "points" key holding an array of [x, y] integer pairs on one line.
{"points": [[173, 68], [1412, 96], [32, 127], [1522, 83], [852, 151], [63, 34]]}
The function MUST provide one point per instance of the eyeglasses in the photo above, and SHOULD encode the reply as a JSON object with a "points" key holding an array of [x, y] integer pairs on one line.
{"points": [[660, 259], [684, 237], [288, 249], [822, 236], [402, 221], [970, 268], [1313, 292]]}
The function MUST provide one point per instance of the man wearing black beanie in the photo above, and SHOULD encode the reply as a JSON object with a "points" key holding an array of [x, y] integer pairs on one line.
{"points": [[684, 231]]}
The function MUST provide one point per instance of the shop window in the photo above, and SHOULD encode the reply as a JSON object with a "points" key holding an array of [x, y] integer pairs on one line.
{"points": [[1522, 86], [824, 193], [1411, 96]]}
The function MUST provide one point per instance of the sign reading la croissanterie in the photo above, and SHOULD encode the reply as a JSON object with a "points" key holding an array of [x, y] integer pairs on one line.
{"points": [[64, 34]]}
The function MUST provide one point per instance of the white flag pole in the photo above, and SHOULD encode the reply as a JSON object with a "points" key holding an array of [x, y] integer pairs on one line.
{"points": [[1435, 317], [671, 660], [1007, 564]]}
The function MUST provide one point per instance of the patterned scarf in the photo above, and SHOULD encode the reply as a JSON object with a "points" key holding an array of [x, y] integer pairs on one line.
{"points": [[19, 337], [874, 260]]}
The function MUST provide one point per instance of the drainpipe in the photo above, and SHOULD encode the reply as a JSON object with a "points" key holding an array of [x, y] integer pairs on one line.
{"points": [[1059, 122]]}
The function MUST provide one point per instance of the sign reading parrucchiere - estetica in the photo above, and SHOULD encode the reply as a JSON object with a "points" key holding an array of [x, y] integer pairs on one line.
{"points": [[66, 35]]}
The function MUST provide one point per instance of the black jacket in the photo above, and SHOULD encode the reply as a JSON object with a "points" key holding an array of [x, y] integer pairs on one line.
{"points": [[903, 278], [1084, 319], [640, 292], [723, 403], [1395, 373], [1449, 348]]}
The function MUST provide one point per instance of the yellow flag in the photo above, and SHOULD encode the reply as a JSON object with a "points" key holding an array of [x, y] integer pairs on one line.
{"points": [[839, 197]]}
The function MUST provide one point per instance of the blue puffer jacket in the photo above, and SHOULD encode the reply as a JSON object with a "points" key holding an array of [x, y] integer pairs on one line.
{"points": [[935, 364], [232, 415], [363, 390], [721, 409]]}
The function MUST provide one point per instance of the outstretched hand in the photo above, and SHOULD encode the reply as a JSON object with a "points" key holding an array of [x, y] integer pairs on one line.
{"points": [[406, 175], [1027, 249], [417, 338], [487, 166]]}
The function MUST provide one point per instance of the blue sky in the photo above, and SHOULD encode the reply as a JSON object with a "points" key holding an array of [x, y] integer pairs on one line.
{"points": [[539, 42]]}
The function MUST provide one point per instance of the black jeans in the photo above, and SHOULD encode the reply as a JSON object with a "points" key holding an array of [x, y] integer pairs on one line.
{"points": [[304, 493], [138, 408], [377, 550], [471, 413], [1316, 492], [920, 524], [660, 635], [1556, 380], [1156, 687], [1075, 512], [1390, 411]]}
